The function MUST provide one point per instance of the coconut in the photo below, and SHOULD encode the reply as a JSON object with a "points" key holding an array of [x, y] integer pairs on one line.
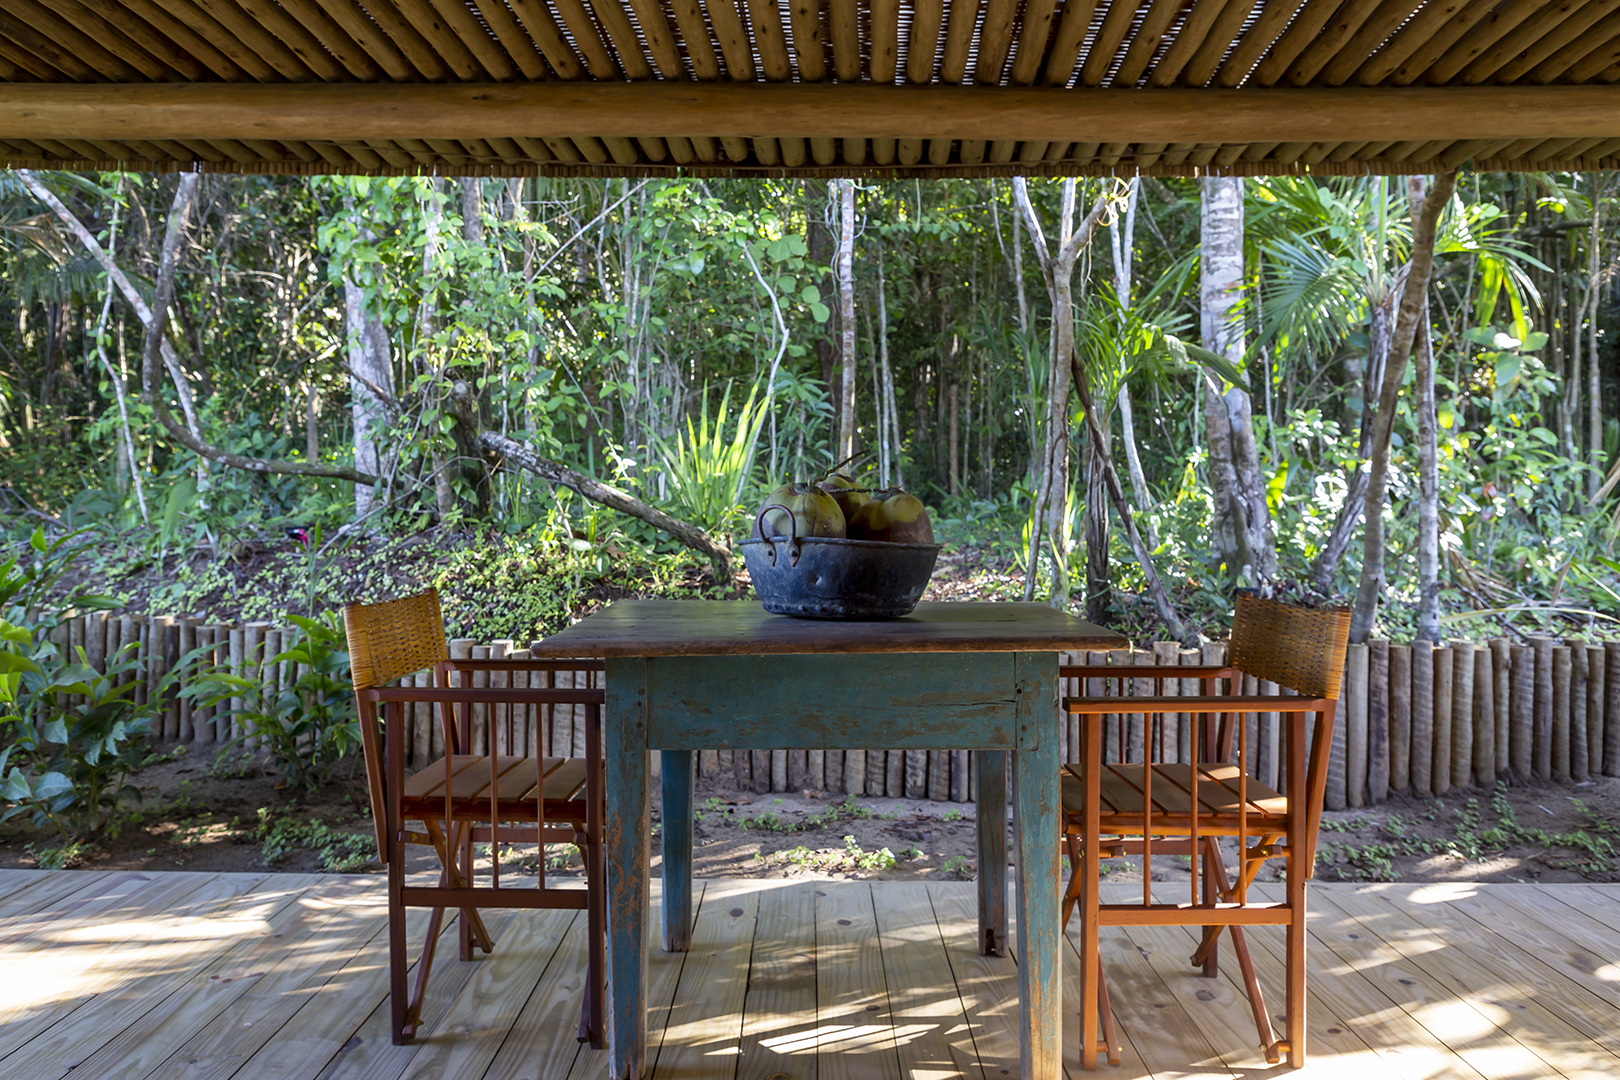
{"points": [[814, 513], [894, 516], [842, 487]]}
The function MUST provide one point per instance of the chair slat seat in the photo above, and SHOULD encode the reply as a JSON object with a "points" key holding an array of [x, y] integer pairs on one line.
{"points": [[1124, 789], [516, 780]]}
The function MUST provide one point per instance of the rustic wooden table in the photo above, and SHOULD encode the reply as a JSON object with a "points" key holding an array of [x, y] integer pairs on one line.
{"points": [[689, 674]]}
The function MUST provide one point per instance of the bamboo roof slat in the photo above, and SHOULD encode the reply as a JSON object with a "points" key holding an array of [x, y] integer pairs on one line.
{"points": [[1372, 150], [824, 151], [1416, 46], [658, 37], [181, 34], [1539, 27], [1033, 31], [1206, 61], [564, 150], [680, 148], [408, 39], [958, 40], [726, 15], [1316, 153], [1485, 33], [1227, 155], [736, 148], [769, 39], [1001, 151], [1593, 63], [1517, 65], [1390, 16], [1147, 154], [844, 27], [695, 35], [1273, 21], [1116, 24], [1258, 151], [1345, 151], [1470, 149], [520, 49], [1306, 29], [417, 149], [242, 38], [939, 151], [794, 151], [655, 148], [389, 58], [883, 151], [972, 151], [910, 151], [20, 59], [457, 55], [547, 36], [41, 33], [1195, 30], [459, 22], [1553, 68], [623, 151], [132, 38], [853, 151], [1145, 43], [390, 153], [306, 46], [1086, 151], [1057, 151], [1032, 151], [995, 39], [325, 35], [885, 37], [922, 41], [1176, 154], [1345, 27], [705, 147], [632, 60], [767, 151], [582, 28]]}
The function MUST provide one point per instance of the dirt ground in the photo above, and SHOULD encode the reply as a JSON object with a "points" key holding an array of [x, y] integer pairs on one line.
{"points": [[201, 814]]}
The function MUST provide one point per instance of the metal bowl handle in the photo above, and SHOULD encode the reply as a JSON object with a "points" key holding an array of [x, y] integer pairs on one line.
{"points": [[770, 541]]}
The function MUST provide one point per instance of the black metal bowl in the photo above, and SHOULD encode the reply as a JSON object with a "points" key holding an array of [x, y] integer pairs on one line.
{"points": [[832, 578]]}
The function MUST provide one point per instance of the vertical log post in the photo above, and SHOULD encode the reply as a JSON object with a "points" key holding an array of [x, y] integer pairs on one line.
{"points": [[1184, 721], [1462, 712], [1611, 709], [1579, 767], [1423, 718], [187, 643], [855, 778], [894, 781], [1559, 757], [1137, 734], [939, 775], [779, 770], [1541, 745], [1377, 721], [1440, 781], [1355, 724], [959, 776], [1522, 712], [742, 766], [1400, 717], [1502, 695], [815, 770], [135, 631], [1484, 717], [1597, 717], [235, 648], [1168, 654], [798, 762]]}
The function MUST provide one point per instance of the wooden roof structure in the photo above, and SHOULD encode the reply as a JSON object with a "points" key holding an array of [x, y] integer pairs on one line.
{"points": [[810, 87]]}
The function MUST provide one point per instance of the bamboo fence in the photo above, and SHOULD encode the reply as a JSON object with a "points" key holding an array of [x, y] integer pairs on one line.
{"points": [[1419, 718]]}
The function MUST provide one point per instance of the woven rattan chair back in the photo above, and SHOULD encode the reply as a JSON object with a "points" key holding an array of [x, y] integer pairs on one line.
{"points": [[1300, 648], [394, 638]]}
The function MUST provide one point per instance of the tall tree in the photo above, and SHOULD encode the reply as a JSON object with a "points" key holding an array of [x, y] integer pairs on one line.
{"points": [[1242, 516], [1406, 320], [846, 319]]}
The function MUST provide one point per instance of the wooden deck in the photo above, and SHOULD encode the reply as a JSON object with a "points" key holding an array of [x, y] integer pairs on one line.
{"points": [[267, 976]]}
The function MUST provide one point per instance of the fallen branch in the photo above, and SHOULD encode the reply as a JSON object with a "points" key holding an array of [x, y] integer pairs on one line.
{"points": [[501, 448]]}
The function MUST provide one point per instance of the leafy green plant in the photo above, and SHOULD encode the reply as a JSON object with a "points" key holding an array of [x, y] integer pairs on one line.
{"points": [[340, 852], [705, 470], [957, 865], [307, 727], [72, 734]]}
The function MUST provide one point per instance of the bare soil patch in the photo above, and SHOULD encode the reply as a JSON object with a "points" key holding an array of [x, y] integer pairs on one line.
{"points": [[231, 815]]}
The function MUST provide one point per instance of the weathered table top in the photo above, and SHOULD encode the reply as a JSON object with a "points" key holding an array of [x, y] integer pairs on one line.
{"points": [[743, 627]]}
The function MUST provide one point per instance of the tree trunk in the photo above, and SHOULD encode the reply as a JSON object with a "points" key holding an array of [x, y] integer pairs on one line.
{"points": [[846, 319], [1243, 517], [892, 468], [1417, 287], [1594, 382], [371, 369]]}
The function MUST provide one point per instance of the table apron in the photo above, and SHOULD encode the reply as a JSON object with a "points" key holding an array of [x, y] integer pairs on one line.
{"points": [[877, 701]]}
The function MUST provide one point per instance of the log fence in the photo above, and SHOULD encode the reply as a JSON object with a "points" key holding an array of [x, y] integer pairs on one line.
{"points": [[1419, 718]]}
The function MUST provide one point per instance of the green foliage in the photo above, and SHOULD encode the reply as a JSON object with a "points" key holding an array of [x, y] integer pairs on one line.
{"points": [[706, 469], [340, 852], [70, 734], [307, 727]]}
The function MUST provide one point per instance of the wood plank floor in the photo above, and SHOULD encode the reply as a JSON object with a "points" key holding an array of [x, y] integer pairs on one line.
{"points": [[131, 975]]}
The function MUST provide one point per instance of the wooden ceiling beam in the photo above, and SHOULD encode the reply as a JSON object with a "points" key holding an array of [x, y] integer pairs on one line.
{"points": [[349, 111]]}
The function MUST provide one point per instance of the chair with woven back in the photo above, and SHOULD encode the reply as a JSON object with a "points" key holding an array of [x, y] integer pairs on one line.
{"points": [[474, 793], [1157, 805]]}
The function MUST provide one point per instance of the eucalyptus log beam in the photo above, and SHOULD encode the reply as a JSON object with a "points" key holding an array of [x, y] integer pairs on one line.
{"points": [[357, 111]]}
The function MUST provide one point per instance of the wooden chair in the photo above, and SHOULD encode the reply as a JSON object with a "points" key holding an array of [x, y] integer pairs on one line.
{"points": [[1147, 806], [491, 797]]}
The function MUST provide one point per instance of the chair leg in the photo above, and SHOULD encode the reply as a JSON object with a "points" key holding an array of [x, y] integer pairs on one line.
{"points": [[1215, 875], [472, 928], [424, 967], [1110, 1036]]}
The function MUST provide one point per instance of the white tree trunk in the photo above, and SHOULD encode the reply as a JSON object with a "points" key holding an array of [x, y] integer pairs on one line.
{"points": [[1594, 388], [370, 362], [846, 308]]}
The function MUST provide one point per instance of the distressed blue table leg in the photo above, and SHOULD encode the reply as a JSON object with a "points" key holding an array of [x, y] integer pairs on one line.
{"points": [[676, 808], [1035, 816], [627, 849], [990, 778]]}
